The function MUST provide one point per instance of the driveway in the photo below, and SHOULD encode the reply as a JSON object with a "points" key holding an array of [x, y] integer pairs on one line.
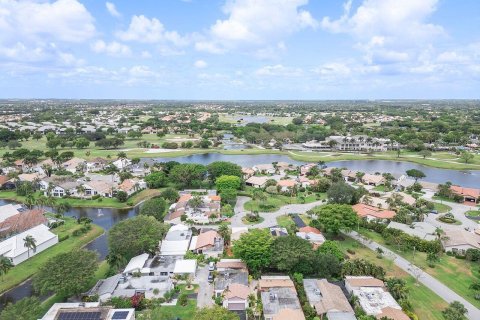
{"points": [[430, 282], [270, 217], [458, 211], [205, 289]]}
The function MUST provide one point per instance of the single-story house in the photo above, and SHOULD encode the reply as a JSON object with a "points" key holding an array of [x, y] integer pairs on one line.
{"points": [[137, 264], [256, 182], [373, 179], [14, 247], [235, 297], [74, 165], [372, 213], [122, 164], [328, 299], [264, 168], [96, 164], [6, 183], [22, 221], [97, 187], [85, 310], [132, 185], [209, 243], [468, 194], [286, 185], [177, 241], [459, 241], [313, 235], [356, 282], [247, 172]]}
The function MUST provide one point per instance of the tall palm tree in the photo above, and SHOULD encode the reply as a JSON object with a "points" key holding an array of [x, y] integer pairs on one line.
{"points": [[29, 242], [5, 265], [30, 201]]}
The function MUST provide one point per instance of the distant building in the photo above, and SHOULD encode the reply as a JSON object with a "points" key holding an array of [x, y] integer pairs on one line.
{"points": [[351, 143]]}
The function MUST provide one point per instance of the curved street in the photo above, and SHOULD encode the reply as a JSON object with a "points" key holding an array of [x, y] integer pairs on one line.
{"points": [[270, 217]]}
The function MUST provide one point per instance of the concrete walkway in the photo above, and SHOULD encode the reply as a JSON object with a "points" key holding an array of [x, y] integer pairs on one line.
{"points": [[270, 217], [430, 282]]}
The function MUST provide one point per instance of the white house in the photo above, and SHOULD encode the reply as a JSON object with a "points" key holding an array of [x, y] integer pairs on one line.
{"points": [[122, 164], [14, 248], [87, 310]]}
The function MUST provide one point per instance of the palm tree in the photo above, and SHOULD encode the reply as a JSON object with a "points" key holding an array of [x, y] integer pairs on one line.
{"points": [[41, 201], [29, 242], [63, 207], [80, 189], [30, 201], [5, 265], [195, 202]]}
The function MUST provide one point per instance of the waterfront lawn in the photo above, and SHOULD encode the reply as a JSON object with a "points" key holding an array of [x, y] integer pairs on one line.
{"points": [[457, 274], [441, 208], [28, 268], [426, 304]]}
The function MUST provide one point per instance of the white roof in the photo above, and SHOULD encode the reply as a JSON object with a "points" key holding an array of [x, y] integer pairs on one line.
{"points": [[423, 230], [14, 246], [174, 248], [373, 300], [9, 210], [136, 263], [185, 266], [178, 227], [193, 243]]}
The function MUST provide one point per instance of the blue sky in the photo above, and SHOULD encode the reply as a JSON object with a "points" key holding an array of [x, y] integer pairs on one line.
{"points": [[240, 49]]}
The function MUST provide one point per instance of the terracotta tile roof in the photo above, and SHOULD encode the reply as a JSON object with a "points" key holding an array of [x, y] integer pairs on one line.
{"points": [[237, 290], [363, 282], [469, 192], [374, 178], [289, 314], [364, 210], [392, 313], [3, 179], [309, 229], [185, 197], [206, 239], [260, 181], [332, 298], [215, 198], [265, 283], [287, 183], [175, 214], [22, 222], [231, 264]]}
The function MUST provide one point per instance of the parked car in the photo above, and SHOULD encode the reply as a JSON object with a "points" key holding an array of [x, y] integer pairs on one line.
{"points": [[434, 211], [210, 277], [211, 266]]}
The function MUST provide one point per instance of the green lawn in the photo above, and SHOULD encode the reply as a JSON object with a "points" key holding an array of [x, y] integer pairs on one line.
{"points": [[441, 208], [89, 203], [245, 221], [455, 273], [473, 213], [26, 269], [275, 201], [183, 312], [286, 221], [381, 188], [426, 304]]}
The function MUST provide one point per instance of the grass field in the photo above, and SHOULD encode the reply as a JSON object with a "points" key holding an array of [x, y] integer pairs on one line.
{"points": [[286, 221], [473, 213], [441, 208], [426, 303], [28, 268], [455, 273]]}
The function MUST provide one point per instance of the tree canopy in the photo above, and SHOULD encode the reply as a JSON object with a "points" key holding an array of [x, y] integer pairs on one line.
{"points": [[25, 309], [335, 217], [228, 182], [188, 174], [67, 274], [223, 168], [215, 312], [134, 236], [254, 249], [154, 207], [156, 180], [342, 193]]}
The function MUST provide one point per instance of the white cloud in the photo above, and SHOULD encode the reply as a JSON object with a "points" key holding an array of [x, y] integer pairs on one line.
{"points": [[200, 64], [112, 9], [252, 24], [113, 48], [389, 20], [279, 71], [62, 20], [333, 68], [145, 30]]}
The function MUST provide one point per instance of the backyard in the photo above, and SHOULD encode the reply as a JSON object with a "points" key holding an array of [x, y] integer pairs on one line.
{"points": [[28, 268], [273, 202]]}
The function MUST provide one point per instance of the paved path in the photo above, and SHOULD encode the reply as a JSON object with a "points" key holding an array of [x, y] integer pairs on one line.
{"points": [[205, 289], [270, 217], [430, 282]]}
